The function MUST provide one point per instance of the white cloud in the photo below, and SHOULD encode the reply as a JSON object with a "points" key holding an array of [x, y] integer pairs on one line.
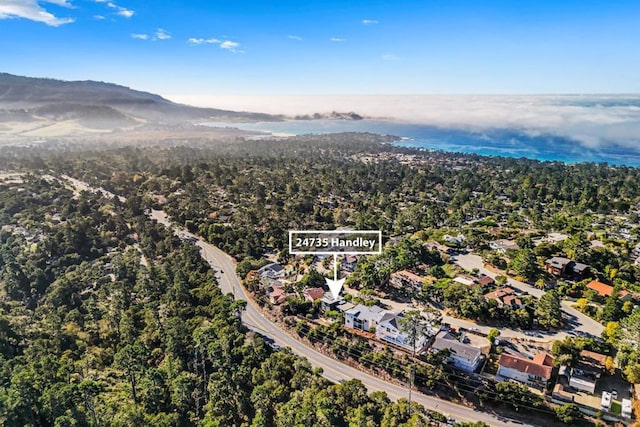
{"points": [[194, 40], [390, 57], [293, 37], [162, 34], [230, 46], [32, 10], [337, 40], [63, 3], [99, 17], [121, 11], [140, 36], [369, 21], [127, 13]]}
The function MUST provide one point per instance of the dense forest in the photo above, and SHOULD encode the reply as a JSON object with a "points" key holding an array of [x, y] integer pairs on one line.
{"points": [[109, 320], [106, 318]]}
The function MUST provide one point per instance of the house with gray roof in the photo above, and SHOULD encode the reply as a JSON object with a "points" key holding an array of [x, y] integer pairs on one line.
{"points": [[463, 356], [363, 318], [561, 266], [272, 271]]}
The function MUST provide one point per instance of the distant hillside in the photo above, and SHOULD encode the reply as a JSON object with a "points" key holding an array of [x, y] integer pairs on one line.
{"points": [[98, 105]]}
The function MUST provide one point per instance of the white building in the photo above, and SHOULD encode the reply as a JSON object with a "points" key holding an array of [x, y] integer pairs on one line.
{"points": [[389, 329], [363, 318], [462, 356], [536, 372]]}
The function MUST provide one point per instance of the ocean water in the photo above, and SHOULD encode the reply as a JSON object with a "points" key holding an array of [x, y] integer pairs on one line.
{"points": [[497, 142]]}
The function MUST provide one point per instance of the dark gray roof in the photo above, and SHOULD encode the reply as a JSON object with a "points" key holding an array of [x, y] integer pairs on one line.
{"points": [[445, 340], [274, 266]]}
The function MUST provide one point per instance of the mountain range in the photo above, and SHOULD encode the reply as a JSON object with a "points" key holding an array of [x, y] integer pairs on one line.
{"points": [[41, 106]]}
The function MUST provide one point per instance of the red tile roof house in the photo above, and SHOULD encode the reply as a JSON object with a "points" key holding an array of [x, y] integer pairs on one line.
{"points": [[312, 294], [606, 291], [535, 373], [505, 296], [485, 281], [276, 294], [405, 278]]}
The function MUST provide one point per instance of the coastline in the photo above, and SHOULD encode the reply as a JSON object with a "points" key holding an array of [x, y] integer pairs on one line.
{"points": [[513, 143]]}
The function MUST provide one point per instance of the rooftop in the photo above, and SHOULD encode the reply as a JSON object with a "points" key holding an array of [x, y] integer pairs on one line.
{"points": [[603, 289], [444, 340], [314, 293], [363, 312], [407, 275], [541, 366]]}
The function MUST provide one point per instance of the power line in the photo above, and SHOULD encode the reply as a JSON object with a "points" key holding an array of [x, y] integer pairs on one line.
{"points": [[464, 386]]}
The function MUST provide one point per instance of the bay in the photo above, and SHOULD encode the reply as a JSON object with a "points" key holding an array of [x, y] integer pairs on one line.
{"points": [[492, 142]]}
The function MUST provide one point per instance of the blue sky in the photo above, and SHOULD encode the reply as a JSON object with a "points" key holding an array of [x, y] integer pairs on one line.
{"points": [[328, 46]]}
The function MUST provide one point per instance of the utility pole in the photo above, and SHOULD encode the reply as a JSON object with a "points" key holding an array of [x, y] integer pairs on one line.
{"points": [[412, 373], [411, 324]]}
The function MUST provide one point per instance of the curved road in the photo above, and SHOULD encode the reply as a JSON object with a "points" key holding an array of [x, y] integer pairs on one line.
{"points": [[332, 369]]}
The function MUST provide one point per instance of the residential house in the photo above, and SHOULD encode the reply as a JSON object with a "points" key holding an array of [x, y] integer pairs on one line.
{"points": [[560, 266], [505, 296], [363, 318], [503, 245], [606, 291], [328, 302], [457, 240], [554, 238], [349, 263], [272, 271], [276, 294], [485, 281], [312, 294], [405, 279], [438, 247], [389, 329], [463, 356], [535, 373], [586, 372]]}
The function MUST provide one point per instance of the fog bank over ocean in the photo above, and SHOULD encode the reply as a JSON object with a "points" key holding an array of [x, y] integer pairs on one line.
{"points": [[594, 121]]}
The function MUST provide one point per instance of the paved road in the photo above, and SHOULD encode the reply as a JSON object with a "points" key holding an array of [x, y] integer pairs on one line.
{"points": [[578, 323], [332, 369]]}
